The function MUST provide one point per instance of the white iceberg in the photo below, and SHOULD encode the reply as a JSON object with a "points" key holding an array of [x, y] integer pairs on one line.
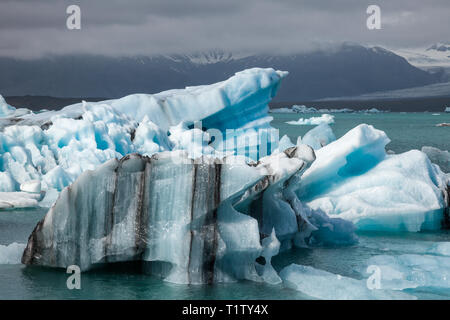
{"points": [[12, 253], [353, 178], [325, 118], [321, 284], [55, 147]]}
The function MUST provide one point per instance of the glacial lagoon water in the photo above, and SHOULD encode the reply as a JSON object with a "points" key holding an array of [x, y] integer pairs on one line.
{"points": [[406, 131]]}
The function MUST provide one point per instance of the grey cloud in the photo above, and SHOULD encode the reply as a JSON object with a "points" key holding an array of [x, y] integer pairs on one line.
{"points": [[30, 28]]}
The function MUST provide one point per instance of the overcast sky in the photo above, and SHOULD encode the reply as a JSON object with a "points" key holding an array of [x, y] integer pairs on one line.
{"points": [[33, 28]]}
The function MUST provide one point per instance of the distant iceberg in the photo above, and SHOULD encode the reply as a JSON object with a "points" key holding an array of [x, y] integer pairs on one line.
{"points": [[55, 147], [188, 222], [305, 109], [195, 186], [325, 118]]}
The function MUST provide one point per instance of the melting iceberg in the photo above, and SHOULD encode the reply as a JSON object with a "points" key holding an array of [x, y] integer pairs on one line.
{"points": [[12, 253], [353, 178], [55, 147], [321, 284], [187, 221], [194, 186], [324, 118]]}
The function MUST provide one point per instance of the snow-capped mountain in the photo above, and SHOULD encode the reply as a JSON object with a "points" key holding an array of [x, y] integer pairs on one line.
{"points": [[345, 71], [436, 55]]}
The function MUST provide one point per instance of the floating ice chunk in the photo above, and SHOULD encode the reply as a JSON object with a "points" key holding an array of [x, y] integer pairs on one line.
{"points": [[354, 179], [325, 285], [439, 157], [150, 139], [57, 146], [440, 248], [220, 105], [319, 137], [412, 270], [11, 253], [174, 215], [32, 186], [11, 200], [324, 118]]}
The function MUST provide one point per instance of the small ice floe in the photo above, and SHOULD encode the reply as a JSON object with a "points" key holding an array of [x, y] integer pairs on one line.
{"points": [[325, 118], [12, 253]]}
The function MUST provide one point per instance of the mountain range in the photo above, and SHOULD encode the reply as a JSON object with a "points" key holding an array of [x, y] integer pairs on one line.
{"points": [[348, 70]]}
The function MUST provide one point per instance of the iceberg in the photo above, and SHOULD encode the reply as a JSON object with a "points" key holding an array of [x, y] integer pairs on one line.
{"points": [[353, 178], [179, 217], [55, 147], [324, 118], [439, 157], [321, 284]]}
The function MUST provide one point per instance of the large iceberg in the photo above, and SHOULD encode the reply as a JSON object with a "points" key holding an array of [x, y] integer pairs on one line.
{"points": [[321, 284], [194, 186], [324, 118], [353, 178], [187, 221], [55, 147]]}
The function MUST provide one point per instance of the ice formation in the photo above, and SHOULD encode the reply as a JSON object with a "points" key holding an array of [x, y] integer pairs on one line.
{"points": [[413, 270], [55, 147], [12, 253], [324, 118], [194, 185], [353, 178], [321, 284], [319, 137], [186, 221]]}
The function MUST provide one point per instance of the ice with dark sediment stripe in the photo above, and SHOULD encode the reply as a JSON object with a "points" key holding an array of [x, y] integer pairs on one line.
{"points": [[188, 221]]}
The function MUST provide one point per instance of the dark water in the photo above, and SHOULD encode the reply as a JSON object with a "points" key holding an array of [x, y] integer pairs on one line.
{"points": [[125, 281]]}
